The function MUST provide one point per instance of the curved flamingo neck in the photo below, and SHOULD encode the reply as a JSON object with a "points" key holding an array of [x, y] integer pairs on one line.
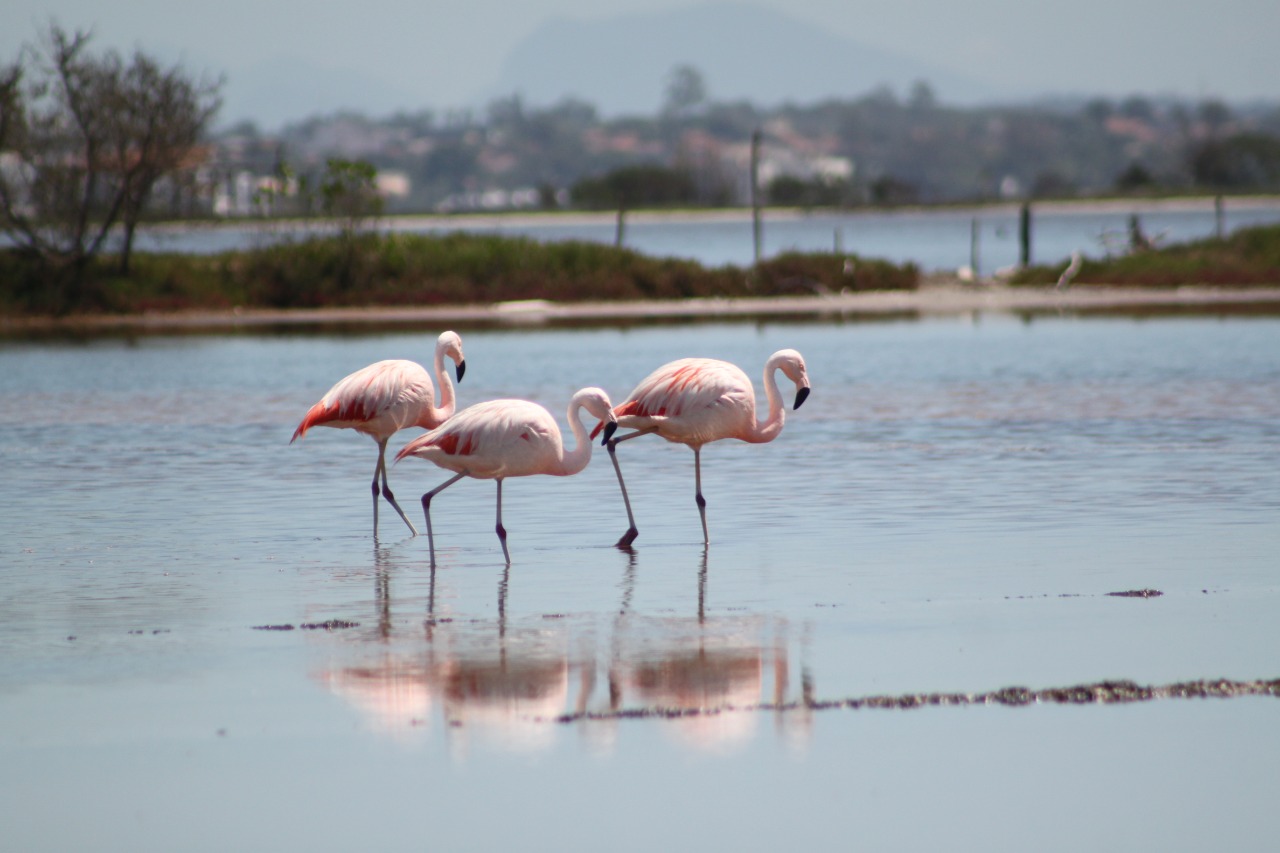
{"points": [[768, 429], [573, 461], [448, 402]]}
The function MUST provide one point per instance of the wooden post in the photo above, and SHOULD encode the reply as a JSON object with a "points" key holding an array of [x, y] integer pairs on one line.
{"points": [[974, 232], [1024, 235], [756, 229], [620, 233], [1218, 217]]}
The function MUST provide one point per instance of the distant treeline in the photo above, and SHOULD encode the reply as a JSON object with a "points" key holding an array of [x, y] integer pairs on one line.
{"points": [[876, 149]]}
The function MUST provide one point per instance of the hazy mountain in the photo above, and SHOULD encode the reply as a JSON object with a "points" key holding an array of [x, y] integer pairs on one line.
{"points": [[620, 64]]}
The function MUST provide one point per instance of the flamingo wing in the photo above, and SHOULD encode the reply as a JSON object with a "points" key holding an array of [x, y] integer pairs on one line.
{"points": [[692, 401], [378, 400], [496, 439]]}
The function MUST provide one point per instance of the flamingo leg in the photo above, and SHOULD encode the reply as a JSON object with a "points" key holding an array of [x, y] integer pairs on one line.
{"points": [[697, 495], [386, 490], [426, 511], [632, 532], [377, 471], [499, 529]]}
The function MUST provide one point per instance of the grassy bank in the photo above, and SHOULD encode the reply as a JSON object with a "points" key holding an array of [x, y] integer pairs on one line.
{"points": [[424, 270], [1250, 256]]}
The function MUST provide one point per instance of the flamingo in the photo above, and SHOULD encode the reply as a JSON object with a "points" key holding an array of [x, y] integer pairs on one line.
{"points": [[384, 398], [694, 401], [508, 438]]}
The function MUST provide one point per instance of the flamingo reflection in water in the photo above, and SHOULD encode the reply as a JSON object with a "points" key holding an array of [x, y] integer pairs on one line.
{"points": [[508, 438], [508, 681], [703, 677], [384, 398], [479, 687], [490, 679], [695, 401]]}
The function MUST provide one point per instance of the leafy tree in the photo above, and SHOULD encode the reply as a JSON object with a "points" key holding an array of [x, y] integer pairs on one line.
{"points": [[1135, 178], [636, 186], [349, 193], [1247, 161], [1052, 184], [87, 139], [449, 167], [1098, 110], [1137, 107], [889, 190], [791, 191], [922, 96], [686, 91], [1215, 114]]}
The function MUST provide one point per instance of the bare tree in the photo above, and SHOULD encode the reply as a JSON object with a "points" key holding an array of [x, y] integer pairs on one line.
{"points": [[85, 138]]}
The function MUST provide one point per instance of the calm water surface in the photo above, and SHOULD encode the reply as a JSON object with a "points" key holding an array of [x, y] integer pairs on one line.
{"points": [[947, 513]]}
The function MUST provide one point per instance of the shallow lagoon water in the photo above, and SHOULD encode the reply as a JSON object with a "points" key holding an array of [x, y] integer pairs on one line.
{"points": [[948, 512]]}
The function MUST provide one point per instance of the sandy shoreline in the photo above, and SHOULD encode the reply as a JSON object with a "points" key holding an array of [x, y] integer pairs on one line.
{"points": [[931, 299]]}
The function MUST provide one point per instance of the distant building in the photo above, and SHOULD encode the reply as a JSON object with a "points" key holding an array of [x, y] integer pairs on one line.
{"points": [[393, 184]]}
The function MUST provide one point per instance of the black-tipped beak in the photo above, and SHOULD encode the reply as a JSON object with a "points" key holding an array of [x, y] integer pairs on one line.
{"points": [[802, 394], [609, 429], [461, 369]]}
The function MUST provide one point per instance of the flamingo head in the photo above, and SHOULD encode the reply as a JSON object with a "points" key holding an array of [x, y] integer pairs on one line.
{"points": [[449, 345], [791, 363], [597, 403]]}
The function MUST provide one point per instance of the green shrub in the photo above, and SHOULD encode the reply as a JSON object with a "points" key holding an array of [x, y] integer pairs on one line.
{"points": [[1250, 256], [424, 269]]}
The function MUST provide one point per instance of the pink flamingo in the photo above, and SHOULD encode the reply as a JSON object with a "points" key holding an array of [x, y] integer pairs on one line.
{"points": [[694, 401], [508, 438], [384, 398]]}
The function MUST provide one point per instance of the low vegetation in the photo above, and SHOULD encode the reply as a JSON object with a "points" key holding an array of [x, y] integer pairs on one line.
{"points": [[399, 269], [1250, 256]]}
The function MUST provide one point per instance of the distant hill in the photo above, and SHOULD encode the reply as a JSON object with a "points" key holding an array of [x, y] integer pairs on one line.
{"points": [[620, 64]]}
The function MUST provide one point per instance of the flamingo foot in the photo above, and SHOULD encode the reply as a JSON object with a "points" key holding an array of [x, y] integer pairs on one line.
{"points": [[627, 538]]}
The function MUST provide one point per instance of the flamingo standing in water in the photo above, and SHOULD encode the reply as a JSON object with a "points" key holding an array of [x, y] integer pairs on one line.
{"points": [[384, 398], [694, 401], [508, 438]]}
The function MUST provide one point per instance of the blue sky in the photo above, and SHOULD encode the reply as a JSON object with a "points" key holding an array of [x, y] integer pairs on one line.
{"points": [[380, 55]]}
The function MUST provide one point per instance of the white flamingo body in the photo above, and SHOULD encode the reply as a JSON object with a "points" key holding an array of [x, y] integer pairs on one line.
{"points": [[379, 401], [495, 440], [508, 438], [694, 401], [384, 398]]}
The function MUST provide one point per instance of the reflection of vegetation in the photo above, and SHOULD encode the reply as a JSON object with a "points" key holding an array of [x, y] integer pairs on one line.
{"points": [[1250, 256], [403, 269]]}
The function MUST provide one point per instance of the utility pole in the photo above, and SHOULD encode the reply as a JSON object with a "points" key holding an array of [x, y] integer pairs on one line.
{"points": [[974, 232], [1024, 235], [755, 195]]}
